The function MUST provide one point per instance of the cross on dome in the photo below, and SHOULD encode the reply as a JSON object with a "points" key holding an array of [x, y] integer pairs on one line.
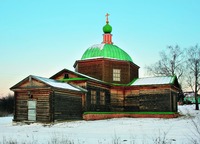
{"points": [[107, 18], [107, 29]]}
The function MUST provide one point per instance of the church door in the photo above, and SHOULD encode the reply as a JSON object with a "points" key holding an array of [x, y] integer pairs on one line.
{"points": [[32, 110]]}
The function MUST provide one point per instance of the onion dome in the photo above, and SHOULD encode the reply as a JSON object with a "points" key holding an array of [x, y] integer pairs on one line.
{"points": [[106, 51], [107, 28]]}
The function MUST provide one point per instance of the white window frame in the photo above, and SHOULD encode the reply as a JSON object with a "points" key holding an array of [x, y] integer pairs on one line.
{"points": [[102, 98], [116, 74], [93, 97]]}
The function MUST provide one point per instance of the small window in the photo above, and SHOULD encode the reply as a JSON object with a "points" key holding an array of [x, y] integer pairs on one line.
{"points": [[102, 98], [93, 97], [66, 76], [116, 74]]}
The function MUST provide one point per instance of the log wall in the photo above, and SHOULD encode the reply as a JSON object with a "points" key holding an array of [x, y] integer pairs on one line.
{"points": [[154, 102], [134, 71], [62, 75], [43, 105], [42, 109], [117, 100], [124, 68], [174, 100], [97, 106], [143, 99], [91, 68], [21, 109], [102, 69], [66, 106]]}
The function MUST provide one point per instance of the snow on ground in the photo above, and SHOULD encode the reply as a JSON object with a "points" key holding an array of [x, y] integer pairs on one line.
{"points": [[119, 130]]}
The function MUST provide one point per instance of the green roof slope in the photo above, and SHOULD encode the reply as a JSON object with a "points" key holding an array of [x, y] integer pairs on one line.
{"points": [[106, 51]]}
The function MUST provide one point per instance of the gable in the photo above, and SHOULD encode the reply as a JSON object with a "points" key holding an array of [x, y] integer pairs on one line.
{"points": [[74, 76], [64, 74], [30, 83], [41, 82]]}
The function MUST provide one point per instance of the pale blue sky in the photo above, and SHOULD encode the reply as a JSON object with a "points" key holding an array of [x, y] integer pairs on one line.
{"points": [[41, 37]]}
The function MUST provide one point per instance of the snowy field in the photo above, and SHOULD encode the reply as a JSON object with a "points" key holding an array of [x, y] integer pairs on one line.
{"points": [[182, 130]]}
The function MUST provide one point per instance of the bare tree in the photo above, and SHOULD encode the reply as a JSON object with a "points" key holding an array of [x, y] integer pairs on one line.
{"points": [[171, 63], [193, 76]]}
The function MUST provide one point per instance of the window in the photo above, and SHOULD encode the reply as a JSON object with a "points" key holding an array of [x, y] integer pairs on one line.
{"points": [[116, 74], [93, 97], [66, 76], [102, 98]]}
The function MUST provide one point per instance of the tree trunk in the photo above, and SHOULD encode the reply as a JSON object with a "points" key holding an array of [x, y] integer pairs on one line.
{"points": [[195, 87], [196, 102]]}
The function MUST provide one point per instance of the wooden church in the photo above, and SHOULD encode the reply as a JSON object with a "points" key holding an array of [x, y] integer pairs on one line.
{"points": [[105, 80]]}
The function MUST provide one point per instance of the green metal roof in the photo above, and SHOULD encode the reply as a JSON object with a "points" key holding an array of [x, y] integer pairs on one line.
{"points": [[106, 51]]}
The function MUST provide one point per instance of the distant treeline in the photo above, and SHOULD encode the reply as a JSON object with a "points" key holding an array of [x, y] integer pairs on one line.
{"points": [[6, 105]]}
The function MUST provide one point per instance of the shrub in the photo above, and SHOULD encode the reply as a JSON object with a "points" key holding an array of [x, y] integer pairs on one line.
{"points": [[6, 105]]}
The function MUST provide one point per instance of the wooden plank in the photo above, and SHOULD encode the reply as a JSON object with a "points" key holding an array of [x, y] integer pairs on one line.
{"points": [[67, 106]]}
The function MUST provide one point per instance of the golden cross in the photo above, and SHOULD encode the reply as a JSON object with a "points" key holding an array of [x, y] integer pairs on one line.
{"points": [[107, 18]]}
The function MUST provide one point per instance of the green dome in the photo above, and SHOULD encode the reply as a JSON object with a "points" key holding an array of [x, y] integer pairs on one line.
{"points": [[106, 51], [107, 28]]}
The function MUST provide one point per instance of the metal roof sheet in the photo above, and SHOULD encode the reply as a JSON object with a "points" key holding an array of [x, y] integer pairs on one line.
{"points": [[55, 83], [154, 81], [106, 51]]}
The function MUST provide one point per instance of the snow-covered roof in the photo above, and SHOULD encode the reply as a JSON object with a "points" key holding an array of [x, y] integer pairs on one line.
{"points": [[100, 46], [154, 80], [55, 83]]}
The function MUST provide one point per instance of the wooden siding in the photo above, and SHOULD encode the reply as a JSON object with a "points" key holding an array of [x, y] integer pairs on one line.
{"points": [[97, 106], [66, 106], [51, 105], [117, 100], [21, 108], [174, 101], [43, 105], [102, 69], [32, 83], [134, 71], [143, 99], [42, 109], [79, 83], [155, 99], [124, 68], [62, 74], [91, 68]]}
